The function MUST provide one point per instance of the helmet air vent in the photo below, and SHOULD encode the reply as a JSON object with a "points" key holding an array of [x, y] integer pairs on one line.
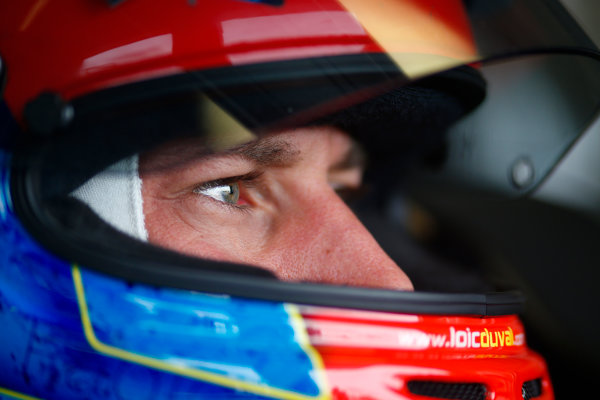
{"points": [[467, 391], [532, 389], [448, 390]]}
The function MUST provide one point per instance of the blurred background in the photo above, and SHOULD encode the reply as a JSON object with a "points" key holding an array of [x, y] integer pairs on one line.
{"points": [[576, 182], [545, 244]]}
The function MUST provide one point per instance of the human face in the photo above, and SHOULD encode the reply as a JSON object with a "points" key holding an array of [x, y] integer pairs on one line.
{"points": [[272, 203]]}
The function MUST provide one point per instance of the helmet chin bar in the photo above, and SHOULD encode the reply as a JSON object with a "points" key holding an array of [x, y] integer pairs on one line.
{"points": [[208, 341]]}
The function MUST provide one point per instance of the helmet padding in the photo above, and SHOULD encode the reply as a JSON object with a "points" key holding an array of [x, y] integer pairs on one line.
{"points": [[115, 194]]}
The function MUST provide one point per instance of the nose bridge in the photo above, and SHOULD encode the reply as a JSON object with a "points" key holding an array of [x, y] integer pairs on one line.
{"points": [[343, 233], [341, 250], [340, 221]]}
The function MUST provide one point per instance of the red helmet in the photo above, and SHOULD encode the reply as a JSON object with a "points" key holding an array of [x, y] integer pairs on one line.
{"points": [[99, 45], [101, 98]]}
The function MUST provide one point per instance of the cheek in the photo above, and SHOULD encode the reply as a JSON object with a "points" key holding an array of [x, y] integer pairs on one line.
{"points": [[233, 236]]}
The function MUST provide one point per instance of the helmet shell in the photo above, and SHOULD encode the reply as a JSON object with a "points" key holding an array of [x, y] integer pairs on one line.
{"points": [[73, 47]]}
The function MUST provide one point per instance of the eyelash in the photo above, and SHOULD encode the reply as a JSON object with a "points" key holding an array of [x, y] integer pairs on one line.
{"points": [[249, 180]]}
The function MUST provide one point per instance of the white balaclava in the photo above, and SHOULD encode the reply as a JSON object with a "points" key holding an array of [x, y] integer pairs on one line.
{"points": [[115, 194]]}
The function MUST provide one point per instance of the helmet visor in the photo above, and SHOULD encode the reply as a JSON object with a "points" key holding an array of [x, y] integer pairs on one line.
{"points": [[180, 161]]}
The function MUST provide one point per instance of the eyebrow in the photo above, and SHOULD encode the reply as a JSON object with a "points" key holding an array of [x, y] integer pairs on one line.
{"points": [[265, 152], [268, 152], [275, 152]]}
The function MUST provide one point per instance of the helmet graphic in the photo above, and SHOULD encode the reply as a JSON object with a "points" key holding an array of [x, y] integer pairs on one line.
{"points": [[278, 199]]}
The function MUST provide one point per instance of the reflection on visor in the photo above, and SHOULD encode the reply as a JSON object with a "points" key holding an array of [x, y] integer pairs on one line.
{"points": [[220, 174], [534, 111]]}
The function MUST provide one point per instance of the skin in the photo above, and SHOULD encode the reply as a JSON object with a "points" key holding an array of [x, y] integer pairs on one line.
{"points": [[289, 217]]}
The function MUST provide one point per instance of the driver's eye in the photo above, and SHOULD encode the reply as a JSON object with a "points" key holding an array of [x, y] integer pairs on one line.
{"points": [[224, 192]]}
